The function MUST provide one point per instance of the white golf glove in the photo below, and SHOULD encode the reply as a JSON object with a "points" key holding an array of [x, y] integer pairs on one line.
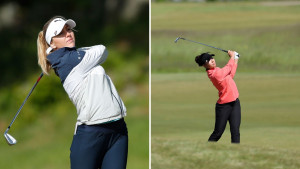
{"points": [[236, 55]]}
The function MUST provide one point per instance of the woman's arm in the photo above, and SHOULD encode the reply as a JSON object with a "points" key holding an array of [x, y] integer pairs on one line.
{"points": [[228, 69], [234, 66], [94, 56]]}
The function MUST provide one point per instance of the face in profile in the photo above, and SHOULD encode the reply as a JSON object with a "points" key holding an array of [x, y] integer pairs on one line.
{"points": [[66, 38], [210, 64]]}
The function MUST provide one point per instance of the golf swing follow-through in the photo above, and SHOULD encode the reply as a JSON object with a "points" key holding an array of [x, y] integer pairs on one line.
{"points": [[228, 105], [10, 139], [101, 137]]}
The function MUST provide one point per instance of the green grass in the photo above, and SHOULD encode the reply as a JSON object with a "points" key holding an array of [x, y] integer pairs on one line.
{"points": [[183, 118], [265, 36], [220, 16], [45, 143], [268, 80]]}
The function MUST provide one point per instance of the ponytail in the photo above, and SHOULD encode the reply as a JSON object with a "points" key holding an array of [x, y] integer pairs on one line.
{"points": [[42, 56]]}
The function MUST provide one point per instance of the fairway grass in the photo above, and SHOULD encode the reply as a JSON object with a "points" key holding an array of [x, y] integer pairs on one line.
{"points": [[183, 118]]}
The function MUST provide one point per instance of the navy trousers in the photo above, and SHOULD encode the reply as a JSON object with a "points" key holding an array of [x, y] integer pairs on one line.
{"points": [[103, 146], [227, 112]]}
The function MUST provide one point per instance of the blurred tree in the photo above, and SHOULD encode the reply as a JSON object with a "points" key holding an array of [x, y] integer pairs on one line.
{"points": [[98, 21]]}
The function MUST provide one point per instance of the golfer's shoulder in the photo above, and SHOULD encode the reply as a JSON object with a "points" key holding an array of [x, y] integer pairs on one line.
{"points": [[210, 73], [213, 70]]}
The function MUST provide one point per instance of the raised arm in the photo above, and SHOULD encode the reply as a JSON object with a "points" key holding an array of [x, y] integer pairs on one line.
{"points": [[234, 65], [94, 56], [228, 69]]}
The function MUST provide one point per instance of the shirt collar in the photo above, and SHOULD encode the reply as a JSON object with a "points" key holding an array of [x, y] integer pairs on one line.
{"points": [[54, 56]]}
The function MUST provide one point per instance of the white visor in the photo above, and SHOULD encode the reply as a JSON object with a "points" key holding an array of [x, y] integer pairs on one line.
{"points": [[56, 26]]}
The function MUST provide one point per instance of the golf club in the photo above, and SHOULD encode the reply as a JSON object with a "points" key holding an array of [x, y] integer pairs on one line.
{"points": [[10, 139], [177, 39]]}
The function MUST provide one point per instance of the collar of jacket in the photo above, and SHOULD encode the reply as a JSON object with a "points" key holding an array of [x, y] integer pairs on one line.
{"points": [[53, 57], [210, 69]]}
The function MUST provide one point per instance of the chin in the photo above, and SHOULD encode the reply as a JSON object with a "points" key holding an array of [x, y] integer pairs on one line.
{"points": [[71, 45]]}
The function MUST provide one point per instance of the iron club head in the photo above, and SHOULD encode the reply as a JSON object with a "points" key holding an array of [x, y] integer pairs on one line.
{"points": [[10, 139], [176, 39]]}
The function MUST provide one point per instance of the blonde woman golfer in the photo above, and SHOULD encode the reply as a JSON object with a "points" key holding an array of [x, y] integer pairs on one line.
{"points": [[100, 139]]}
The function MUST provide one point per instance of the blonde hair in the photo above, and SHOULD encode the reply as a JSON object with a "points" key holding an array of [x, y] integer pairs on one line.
{"points": [[42, 46]]}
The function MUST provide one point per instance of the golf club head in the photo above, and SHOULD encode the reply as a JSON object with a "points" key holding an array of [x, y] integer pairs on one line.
{"points": [[177, 39], [10, 139]]}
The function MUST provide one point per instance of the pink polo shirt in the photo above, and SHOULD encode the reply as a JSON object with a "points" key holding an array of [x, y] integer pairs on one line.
{"points": [[222, 79]]}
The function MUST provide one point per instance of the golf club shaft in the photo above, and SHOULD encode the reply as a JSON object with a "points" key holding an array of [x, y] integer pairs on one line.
{"points": [[206, 45], [24, 102]]}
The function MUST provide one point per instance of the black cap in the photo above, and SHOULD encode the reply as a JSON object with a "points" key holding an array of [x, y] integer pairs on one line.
{"points": [[203, 58]]}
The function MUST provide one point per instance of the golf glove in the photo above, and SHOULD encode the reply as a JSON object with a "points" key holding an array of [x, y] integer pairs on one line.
{"points": [[236, 55]]}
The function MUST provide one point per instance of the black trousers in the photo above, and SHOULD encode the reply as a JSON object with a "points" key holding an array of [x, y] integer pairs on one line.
{"points": [[227, 112]]}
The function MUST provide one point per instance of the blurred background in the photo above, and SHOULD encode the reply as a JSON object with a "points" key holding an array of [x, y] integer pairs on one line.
{"points": [[266, 34], [45, 126]]}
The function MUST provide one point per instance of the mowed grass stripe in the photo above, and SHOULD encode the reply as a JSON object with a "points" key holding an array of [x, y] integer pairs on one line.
{"points": [[265, 36], [220, 16], [183, 119]]}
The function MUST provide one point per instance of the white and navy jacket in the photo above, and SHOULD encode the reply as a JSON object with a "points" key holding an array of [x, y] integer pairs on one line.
{"points": [[89, 88]]}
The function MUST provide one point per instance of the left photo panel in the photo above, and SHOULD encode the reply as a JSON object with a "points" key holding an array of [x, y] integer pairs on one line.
{"points": [[74, 89]]}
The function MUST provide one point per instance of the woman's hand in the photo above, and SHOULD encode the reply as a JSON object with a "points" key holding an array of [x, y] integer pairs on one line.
{"points": [[231, 54]]}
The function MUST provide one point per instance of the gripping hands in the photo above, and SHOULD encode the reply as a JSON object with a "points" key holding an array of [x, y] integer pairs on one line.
{"points": [[236, 55], [233, 54]]}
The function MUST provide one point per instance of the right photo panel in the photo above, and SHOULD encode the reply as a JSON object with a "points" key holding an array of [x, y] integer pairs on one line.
{"points": [[225, 79]]}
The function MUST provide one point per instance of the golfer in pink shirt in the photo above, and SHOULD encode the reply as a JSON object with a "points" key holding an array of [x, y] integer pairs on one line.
{"points": [[228, 105]]}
